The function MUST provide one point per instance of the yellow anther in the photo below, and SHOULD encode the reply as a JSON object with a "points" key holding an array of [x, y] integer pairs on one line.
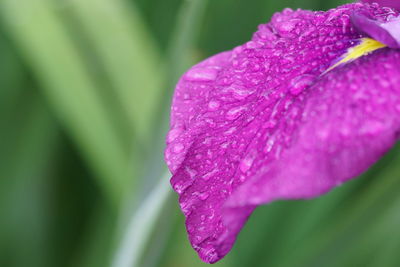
{"points": [[366, 47]]}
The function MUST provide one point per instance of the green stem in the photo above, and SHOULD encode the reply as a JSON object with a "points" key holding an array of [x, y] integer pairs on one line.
{"points": [[141, 224]]}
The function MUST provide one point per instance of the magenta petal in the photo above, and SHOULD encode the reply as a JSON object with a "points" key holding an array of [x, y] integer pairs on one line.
{"points": [[262, 122], [387, 32], [350, 118], [384, 3]]}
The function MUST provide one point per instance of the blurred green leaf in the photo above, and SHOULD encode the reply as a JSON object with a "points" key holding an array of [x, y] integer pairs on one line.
{"points": [[129, 56], [46, 46], [97, 246], [182, 42], [24, 187]]}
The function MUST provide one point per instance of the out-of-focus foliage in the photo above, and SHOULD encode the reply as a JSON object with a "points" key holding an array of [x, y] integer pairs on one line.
{"points": [[85, 89]]}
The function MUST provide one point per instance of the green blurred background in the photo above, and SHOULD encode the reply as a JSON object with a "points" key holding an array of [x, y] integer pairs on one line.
{"points": [[84, 99]]}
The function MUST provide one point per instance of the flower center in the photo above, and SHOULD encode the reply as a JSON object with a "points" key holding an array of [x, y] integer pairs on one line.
{"points": [[365, 47]]}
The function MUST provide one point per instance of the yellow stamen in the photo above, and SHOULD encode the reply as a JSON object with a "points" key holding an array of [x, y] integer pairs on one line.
{"points": [[366, 47]]}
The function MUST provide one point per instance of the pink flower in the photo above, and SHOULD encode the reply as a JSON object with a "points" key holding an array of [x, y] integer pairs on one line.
{"points": [[312, 101]]}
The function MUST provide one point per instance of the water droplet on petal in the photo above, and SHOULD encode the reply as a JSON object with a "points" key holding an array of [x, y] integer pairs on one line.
{"points": [[286, 26], [190, 228], [173, 134], [270, 145], [224, 145], [234, 113], [230, 131], [246, 164], [287, 11], [208, 175], [241, 93], [213, 105], [192, 173], [201, 74], [265, 33], [203, 196], [177, 148], [299, 84], [253, 45], [181, 186]]}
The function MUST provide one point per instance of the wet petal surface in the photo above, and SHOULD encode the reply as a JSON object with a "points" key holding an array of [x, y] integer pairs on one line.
{"points": [[385, 31], [262, 122], [384, 3]]}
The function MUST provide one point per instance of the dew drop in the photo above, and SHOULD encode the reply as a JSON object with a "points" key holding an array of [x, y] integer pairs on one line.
{"points": [[212, 214], [208, 175], [253, 45], [177, 148], [213, 105], [230, 131], [224, 145], [190, 228], [287, 11], [300, 83], [246, 164], [266, 33], [192, 173], [286, 26], [181, 186], [270, 124], [241, 93], [267, 65], [234, 113], [201, 74], [173, 134], [237, 50], [270, 145], [203, 196]]}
